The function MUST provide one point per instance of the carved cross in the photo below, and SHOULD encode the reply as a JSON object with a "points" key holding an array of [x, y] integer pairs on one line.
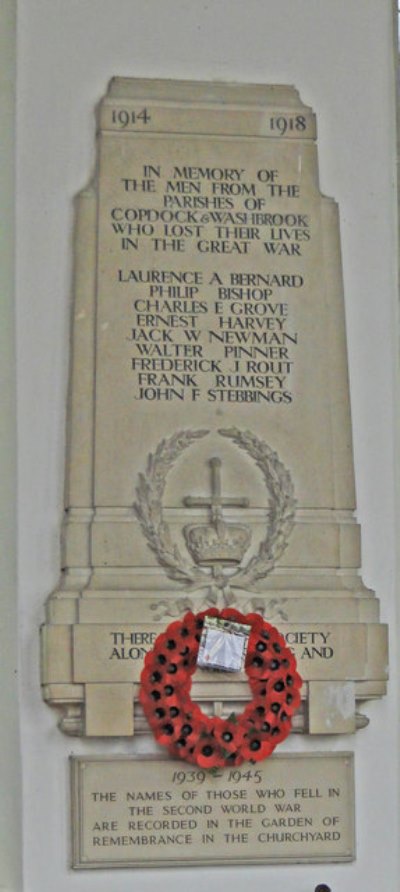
{"points": [[216, 501]]}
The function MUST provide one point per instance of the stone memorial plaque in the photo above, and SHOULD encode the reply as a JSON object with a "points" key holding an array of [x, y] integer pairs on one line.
{"points": [[209, 448], [209, 464], [148, 813]]}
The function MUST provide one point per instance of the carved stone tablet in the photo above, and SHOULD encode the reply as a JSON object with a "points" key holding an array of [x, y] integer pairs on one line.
{"points": [[209, 450], [148, 813]]}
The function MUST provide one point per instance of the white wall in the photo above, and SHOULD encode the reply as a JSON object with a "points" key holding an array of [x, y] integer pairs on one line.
{"points": [[339, 54], [10, 812]]}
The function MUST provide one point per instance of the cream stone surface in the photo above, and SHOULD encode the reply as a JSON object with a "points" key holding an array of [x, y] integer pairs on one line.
{"points": [[108, 710], [209, 434], [331, 707], [288, 809]]}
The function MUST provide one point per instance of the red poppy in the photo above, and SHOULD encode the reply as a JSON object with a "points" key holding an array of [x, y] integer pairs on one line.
{"points": [[256, 748], [178, 675], [207, 752], [292, 700], [258, 626], [229, 734], [229, 613]]}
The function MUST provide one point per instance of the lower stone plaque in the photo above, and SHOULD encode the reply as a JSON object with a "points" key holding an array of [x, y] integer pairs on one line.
{"points": [[136, 812]]}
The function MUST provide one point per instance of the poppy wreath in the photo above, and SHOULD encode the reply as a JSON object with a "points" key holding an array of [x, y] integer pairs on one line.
{"points": [[210, 741]]}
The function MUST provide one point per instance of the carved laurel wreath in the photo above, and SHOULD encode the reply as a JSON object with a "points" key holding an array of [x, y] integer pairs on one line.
{"points": [[280, 518]]}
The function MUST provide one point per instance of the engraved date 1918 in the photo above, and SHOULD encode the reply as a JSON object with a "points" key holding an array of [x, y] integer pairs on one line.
{"points": [[284, 124]]}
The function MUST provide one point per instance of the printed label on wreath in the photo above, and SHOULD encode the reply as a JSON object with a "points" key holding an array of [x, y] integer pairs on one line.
{"points": [[223, 644]]}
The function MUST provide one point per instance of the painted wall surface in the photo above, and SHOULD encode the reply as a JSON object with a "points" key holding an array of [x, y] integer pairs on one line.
{"points": [[10, 811], [339, 54]]}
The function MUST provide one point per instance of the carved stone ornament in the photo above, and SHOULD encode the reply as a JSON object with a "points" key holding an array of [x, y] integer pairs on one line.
{"points": [[218, 546]]}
